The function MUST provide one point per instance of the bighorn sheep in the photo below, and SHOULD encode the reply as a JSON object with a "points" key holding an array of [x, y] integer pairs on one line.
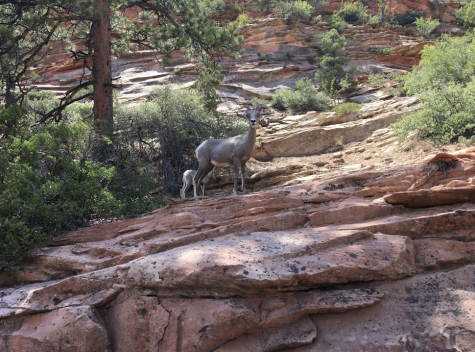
{"points": [[234, 151], [188, 181]]}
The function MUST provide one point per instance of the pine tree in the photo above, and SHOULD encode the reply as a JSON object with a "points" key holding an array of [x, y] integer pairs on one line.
{"points": [[27, 29], [331, 75]]}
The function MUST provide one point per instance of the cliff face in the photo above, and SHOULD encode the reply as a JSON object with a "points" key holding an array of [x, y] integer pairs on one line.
{"points": [[442, 10], [346, 243], [350, 262]]}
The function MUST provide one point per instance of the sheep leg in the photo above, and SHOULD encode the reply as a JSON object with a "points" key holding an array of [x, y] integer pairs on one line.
{"points": [[199, 177], [236, 175], [243, 177]]}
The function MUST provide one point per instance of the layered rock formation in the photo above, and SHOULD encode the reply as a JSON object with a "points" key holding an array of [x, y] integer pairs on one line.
{"points": [[354, 251], [268, 271]]}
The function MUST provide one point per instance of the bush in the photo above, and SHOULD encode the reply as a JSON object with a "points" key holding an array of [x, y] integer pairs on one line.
{"points": [[426, 26], [304, 98], [407, 17], [58, 176], [49, 182], [353, 12], [263, 5], [450, 59], [466, 14], [444, 81], [445, 115], [347, 109], [161, 135], [375, 20], [331, 75], [210, 8], [336, 22], [295, 10]]}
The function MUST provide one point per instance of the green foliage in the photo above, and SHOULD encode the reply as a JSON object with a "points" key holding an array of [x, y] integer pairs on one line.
{"points": [[210, 8], [426, 26], [48, 182], [392, 83], [347, 109], [450, 59], [331, 75], [353, 12], [208, 79], [263, 5], [162, 134], [336, 22], [57, 176], [446, 114], [241, 20], [304, 98], [145, 15], [444, 81], [375, 20], [466, 14], [407, 17], [294, 10], [255, 101]]}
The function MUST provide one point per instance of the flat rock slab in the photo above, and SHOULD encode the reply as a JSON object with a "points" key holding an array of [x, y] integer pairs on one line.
{"points": [[269, 262], [432, 197]]}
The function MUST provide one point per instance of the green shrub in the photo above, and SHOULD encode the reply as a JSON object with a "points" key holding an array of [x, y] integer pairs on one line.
{"points": [[466, 14], [426, 26], [336, 22], [445, 115], [348, 108], [58, 176], [407, 17], [444, 82], [295, 10], [145, 15], [353, 12], [210, 8], [279, 98], [450, 59], [375, 20], [304, 98], [331, 75], [263, 5], [241, 20], [48, 182]]}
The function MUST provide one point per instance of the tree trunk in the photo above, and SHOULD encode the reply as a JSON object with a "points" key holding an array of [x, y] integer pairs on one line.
{"points": [[10, 97], [102, 68]]}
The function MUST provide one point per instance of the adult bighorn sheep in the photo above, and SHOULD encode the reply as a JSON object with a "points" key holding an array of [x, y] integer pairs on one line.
{"points": [[235, 151], [188, 181]]}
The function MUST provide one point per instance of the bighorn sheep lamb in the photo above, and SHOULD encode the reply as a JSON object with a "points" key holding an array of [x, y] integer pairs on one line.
{"points": [[188, 181], [234, 151]]}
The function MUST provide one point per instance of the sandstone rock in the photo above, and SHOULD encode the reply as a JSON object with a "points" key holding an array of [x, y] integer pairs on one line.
{"points": [[433, 253], [294, 335], [76, 329], [430, 312], [316, 140], [428, 198], [244, 264], [351, 211], [135, 323]]}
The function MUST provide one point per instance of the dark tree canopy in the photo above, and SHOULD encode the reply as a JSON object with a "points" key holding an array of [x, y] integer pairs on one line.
{"points": [[29, 28]]}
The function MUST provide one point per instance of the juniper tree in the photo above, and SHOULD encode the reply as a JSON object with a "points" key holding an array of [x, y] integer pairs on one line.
{"points": [[331, 74]]}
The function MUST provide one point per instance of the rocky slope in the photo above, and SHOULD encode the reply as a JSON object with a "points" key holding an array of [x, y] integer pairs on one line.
{"points": [[283, 269], [346, 243]]}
